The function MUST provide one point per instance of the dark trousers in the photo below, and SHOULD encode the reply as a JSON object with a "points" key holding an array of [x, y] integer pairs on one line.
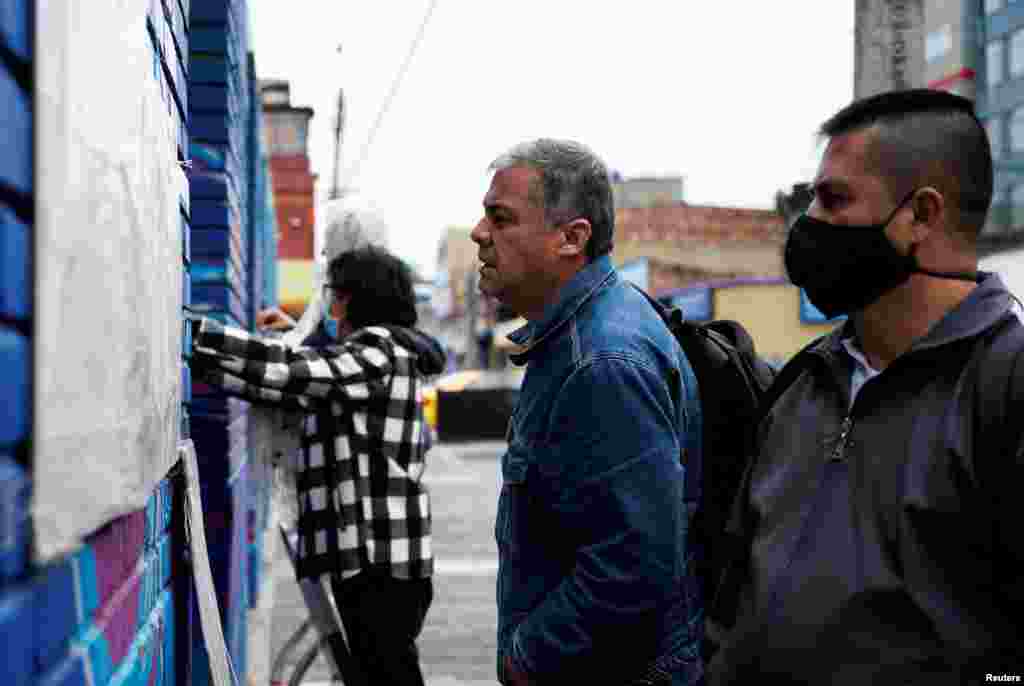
{"points": [[383, 616]]}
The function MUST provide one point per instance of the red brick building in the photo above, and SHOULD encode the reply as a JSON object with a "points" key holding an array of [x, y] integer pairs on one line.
{"points": [[286, 129], [688, 244], [293, 199]]}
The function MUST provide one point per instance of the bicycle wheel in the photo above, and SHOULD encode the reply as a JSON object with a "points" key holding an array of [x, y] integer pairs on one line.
{"points": [[305, 662], [284, 656]]}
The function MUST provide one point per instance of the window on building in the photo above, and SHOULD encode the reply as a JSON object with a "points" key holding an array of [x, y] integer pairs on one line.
{"points": [[1016, 208], [994, 63], [998, 214], [994, 128], [992, 6], [1017, 130], [1017, 54]]}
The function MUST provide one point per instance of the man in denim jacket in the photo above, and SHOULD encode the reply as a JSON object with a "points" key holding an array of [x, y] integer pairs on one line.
{"points": [[595, 583]]}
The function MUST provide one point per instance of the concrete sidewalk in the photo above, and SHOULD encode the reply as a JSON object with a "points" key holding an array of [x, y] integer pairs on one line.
{"points": [[458, 643]]}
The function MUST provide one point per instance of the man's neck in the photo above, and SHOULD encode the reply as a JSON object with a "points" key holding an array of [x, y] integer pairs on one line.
{"points": [[551, 294], [891, 325]]}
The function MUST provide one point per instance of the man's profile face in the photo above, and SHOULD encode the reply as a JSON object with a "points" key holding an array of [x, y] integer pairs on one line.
{"points": [[848, 188], [516, 245]]}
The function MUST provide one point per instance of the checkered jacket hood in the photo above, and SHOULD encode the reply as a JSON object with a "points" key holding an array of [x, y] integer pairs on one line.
{"points": [[361, 500]]}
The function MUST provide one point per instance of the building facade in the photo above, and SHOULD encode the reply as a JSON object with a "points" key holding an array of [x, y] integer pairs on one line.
{"points": [[286, 137], [689, 243], [998, 52], [647, 191], [888, 45]]}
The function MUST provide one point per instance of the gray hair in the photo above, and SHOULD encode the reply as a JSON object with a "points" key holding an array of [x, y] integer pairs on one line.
{"points": [[574, 184]]}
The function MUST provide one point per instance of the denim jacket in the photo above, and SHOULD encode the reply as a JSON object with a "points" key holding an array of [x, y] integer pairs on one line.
{"points": [[595, 584]]}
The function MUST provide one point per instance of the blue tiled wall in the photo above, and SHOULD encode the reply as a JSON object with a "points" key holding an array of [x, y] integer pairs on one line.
{"points": [[121, 609]]}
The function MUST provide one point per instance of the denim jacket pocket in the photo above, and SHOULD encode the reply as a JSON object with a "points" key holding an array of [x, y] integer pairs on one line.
{"points": [[509, 522]]}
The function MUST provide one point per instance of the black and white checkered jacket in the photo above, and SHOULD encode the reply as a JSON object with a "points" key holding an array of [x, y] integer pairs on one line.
{"points": [[361, 502]]}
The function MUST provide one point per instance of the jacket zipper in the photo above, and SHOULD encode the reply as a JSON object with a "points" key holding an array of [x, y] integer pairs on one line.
{"points": [[839, 452]]}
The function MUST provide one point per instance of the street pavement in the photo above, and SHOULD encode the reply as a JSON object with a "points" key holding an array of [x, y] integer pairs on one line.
{"points": [[457, 645]]}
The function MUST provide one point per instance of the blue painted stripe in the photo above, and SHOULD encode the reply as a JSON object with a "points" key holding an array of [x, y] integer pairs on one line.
{"points": [[208, 213], [186, 340], [15, 27], [55, 614], [219, 272], [16, 631], [88, 598], [186, 289], [186, 384], [70, 672], [15, 497], [15, 397], [210, 69], [186, 242], [210, 186], [216, 243], [93, 646], [15, 135]]}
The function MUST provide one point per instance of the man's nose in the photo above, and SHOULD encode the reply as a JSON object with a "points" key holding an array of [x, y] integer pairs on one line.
{"points": [[479, 234]]}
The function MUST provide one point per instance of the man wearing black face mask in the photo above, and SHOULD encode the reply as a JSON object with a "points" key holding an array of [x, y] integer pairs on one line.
{"points": [[879, 515]]}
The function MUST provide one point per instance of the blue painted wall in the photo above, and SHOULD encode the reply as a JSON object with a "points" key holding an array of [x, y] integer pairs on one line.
{"points": [[122, 610]]}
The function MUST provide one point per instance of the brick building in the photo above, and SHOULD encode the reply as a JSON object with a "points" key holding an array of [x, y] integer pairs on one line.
{"points": [[286, 135], [685, 244]]}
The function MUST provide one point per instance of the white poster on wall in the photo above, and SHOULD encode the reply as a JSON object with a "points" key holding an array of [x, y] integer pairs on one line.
{"points": [[108, 271]]}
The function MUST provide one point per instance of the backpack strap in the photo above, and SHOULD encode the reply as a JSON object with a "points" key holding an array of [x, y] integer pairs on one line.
{"points": [[994, 390], [998, 396], [672, 318]]}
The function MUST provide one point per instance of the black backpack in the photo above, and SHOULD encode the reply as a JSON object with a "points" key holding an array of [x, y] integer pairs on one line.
{"points": [[733, 383]]}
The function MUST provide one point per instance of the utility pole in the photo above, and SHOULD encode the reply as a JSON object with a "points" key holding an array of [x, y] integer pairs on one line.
{"points": [[339, 128]]}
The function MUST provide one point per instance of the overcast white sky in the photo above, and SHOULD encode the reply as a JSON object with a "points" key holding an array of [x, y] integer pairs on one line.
{"points": [[727, 94]]}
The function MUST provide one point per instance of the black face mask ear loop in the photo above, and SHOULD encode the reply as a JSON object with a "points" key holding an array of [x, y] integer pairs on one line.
{"points": [[918, 269], [959, 276]]}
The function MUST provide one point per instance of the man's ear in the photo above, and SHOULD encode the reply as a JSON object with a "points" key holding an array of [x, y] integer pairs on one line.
{"points": [[576, 234], [929, 206]]}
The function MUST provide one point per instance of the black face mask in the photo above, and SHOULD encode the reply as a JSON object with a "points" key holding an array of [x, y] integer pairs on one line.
{"points": [[845, 268]]}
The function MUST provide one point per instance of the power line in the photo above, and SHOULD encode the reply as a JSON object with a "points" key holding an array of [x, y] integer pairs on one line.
{"points": [[391, 95]]}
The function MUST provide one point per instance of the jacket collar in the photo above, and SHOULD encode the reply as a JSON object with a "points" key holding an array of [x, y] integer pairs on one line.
{"points": [[571, 298], [983, 307]]}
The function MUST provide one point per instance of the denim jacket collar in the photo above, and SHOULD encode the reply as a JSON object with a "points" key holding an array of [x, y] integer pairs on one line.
{"points": [[571, 297]]}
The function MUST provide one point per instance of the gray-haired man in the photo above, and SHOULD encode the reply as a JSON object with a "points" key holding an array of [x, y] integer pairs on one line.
{"points": [[595, 584]]}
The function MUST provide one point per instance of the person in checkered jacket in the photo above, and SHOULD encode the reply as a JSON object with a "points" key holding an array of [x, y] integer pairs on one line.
{"points": [[364, 514]]}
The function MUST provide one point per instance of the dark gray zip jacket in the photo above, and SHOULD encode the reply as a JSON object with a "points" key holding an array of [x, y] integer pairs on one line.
{"points": [[885, 540]]}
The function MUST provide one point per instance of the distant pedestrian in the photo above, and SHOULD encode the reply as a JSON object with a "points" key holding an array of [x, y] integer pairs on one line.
{"points": [[595, 585], [363, 513], [882, 514]]}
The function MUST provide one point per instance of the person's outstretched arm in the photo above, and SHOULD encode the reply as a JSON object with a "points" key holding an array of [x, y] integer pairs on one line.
{"points": [[270, 372]]}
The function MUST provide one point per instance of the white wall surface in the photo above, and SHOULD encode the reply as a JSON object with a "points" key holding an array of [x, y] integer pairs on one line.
{"points": [[109, 271]]}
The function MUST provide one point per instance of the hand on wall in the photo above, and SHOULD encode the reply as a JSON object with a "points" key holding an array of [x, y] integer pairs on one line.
{"points": [[274, 319]]}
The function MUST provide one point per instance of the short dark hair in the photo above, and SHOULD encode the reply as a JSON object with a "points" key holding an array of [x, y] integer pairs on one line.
{"points": [[380, 286], [574, 183], [926, 137]]}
